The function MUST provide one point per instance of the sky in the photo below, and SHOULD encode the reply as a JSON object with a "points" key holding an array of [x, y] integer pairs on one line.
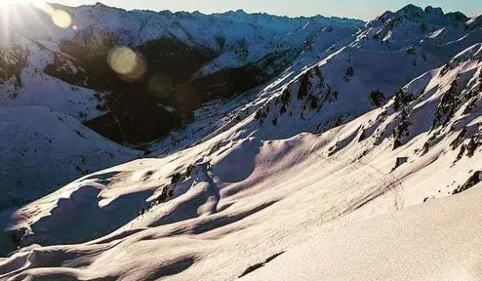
{"points": [[361, 9]]}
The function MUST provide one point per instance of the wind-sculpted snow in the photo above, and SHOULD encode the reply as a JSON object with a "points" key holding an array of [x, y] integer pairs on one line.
{"points": [[311, 158]]}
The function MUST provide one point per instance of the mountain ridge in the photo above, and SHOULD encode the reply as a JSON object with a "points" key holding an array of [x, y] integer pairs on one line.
{"points": [[356, 125], [237, 11]]}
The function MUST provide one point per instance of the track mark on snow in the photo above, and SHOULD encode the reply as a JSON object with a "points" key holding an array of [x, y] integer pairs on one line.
{"points": [[259, 265]]}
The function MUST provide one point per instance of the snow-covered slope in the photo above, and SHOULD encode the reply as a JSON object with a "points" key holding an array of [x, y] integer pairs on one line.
{"points": [[30, 86], [42, 149], [43, 143], [312, 157], [352, 77], [212, 50], [437, 241], [241, 198]]}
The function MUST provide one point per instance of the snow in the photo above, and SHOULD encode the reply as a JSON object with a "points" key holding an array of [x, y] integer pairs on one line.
{"points": [[260, 197], [41, 41], [314, 195], [377, 67], [262, 33], [39, 89], [42, 149], [436, 241]]}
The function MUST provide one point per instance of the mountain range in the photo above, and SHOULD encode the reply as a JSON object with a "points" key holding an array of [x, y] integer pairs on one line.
{"points": [[242, 136]]}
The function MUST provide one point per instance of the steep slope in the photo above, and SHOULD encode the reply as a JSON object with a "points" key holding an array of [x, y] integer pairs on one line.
{"points": [[43, 144], [42, 149], [241, 198], [24, 83], [362, 75]]}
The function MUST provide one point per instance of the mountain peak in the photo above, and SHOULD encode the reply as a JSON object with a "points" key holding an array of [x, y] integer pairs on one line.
{"points": [[412, 10], [100, 5], [429, 15], [435, 11], [238, 12]]}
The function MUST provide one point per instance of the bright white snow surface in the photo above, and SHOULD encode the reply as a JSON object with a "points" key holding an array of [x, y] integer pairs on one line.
{"points": [[437, 241], [311, 192]]}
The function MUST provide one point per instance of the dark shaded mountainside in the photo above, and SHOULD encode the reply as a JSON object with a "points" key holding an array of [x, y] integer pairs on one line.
{"points": [[187, 59]]}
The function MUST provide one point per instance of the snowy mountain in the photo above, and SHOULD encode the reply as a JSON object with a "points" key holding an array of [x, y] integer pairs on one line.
{"points": [[187, 59], [349, 80], [332, 153], [67, 71]]}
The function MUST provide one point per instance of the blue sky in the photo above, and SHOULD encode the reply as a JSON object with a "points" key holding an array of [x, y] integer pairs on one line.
{"points": [[363, 9]]}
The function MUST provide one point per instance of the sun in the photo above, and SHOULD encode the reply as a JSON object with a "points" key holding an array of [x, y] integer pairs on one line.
{"points": [[12, 12], [6, 3], [60, 18]]}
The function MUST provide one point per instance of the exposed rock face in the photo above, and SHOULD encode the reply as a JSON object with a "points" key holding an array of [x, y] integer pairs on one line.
{"points": [[475, 179]]}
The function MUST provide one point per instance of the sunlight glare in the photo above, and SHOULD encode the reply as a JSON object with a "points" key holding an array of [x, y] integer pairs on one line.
{"points": [[6, 3], [123, 60], [127, 63], [60, 18]]}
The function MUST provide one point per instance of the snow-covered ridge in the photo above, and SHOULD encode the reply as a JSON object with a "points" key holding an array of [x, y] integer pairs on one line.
{"points": [[182, 46], [428, 15], [139, 26], [240, 36], [343, 135]]}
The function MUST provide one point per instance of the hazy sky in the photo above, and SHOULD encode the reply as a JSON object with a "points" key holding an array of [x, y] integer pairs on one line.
{"points": [[364, 9]]}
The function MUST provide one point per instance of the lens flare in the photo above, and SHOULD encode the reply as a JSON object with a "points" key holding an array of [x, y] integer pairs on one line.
{"points": [[123, 60], [161, 86], [60, 18], [127, 63]]}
